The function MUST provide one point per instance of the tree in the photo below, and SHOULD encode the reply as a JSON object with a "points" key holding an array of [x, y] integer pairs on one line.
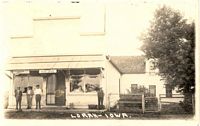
{"points": [[170, 40]]}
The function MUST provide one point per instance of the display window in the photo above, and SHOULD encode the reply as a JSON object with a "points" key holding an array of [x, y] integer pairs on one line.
{"points": [[25, 80], [84, 80]]}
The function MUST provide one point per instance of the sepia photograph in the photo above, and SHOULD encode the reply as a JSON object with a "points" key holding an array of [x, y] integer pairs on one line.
{"points": [[99, 60]]}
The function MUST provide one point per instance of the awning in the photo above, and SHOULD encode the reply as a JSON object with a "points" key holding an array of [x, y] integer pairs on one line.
{"points": [[56, 62]]}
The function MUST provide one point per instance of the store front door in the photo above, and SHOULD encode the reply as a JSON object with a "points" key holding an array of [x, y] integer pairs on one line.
{"points": [[60, 89], [55, 89]]}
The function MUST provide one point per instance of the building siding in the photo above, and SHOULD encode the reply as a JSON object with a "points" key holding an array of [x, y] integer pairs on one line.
{"points": [[60, 30], [112, 84], [142, 79]]}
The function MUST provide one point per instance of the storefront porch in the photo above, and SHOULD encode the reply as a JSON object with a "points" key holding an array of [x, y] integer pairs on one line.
{"points": [[66, 81]]}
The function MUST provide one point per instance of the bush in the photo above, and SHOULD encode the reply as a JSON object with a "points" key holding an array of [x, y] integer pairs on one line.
{"points": [[187, 103]]}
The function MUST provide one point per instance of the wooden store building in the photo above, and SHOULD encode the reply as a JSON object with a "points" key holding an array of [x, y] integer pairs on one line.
{"points": [[63, 48]]}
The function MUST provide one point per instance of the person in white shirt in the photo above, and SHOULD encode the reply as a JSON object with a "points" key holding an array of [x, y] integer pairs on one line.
{"points": [[38, 93], [29, 95]]}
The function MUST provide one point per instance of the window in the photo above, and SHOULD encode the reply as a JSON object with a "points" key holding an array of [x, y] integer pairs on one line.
{"points": [[134, 88], [75, 1], [76, 83], [23, 81], [151, 68], [92, 83], [168, 90], [152, 90], [35, 80], [84, 80]]}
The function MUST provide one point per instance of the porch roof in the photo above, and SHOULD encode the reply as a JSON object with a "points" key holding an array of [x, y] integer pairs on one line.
{"points": [[55, 62]]}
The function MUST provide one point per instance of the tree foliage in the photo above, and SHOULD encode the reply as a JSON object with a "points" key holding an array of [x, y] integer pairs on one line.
{"points": [[170, 40]]}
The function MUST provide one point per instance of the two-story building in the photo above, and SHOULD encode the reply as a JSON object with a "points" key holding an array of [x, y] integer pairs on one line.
{"points": [[63, 48]]}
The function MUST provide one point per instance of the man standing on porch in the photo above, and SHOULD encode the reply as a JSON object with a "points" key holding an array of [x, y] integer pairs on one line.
{"points": [[100, 95], [18, 96], [38, 93]]}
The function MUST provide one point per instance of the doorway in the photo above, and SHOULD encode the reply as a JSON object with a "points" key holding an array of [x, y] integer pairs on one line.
{"points": [[55, 89], [60, 89]]}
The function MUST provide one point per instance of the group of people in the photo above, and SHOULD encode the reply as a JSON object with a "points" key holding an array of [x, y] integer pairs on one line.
{"points": [[38, 93], [29, 94]]}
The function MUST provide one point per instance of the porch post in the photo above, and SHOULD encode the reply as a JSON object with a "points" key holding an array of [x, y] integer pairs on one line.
{"points": [[143, 103], [44, 83], [105, 88], [11, 98], [67, 86]]}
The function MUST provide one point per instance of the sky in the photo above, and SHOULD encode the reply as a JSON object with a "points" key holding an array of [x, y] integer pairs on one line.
{"points": [[141, 15], [138, 14]]}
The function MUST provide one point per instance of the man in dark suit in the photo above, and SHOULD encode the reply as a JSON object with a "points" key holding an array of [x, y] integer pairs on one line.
{"points": [[100, 95], [18, 96]]}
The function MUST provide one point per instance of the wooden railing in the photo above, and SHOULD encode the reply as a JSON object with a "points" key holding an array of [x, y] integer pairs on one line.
{"points": [[128, 102], [175, 98], [133, 102]]}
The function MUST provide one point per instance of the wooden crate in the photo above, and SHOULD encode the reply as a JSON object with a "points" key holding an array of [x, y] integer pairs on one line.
{"points": [[92, 106], [131, 102]]}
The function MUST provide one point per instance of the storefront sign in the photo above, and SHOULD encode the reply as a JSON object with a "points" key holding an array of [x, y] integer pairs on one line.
{"points": [[18, 72], [47, 71]]}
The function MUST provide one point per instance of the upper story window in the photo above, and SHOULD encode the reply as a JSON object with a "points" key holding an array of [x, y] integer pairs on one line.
{"points": [[151, 70], [75, 1], [151, 66]]}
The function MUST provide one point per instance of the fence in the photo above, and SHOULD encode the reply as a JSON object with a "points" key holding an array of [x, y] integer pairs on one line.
{"points": [[132, 103], [113, 99], [164, 100]]}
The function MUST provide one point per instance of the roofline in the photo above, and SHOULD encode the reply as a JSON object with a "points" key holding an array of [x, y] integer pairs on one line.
{"points": [[57, 55], [115, 66], [121, 73], [135, 73]]}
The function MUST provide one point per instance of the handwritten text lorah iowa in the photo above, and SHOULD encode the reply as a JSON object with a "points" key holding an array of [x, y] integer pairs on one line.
{"points": [[96, 116]]}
